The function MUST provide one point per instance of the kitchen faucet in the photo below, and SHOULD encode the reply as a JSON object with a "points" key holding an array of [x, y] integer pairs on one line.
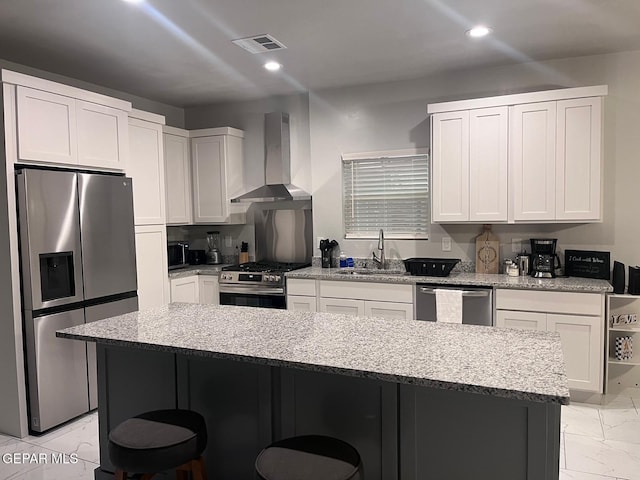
{"points": [[379, 261]]}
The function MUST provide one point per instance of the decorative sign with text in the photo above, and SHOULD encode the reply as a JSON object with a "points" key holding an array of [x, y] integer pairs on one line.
{"points": [[587, 263]]}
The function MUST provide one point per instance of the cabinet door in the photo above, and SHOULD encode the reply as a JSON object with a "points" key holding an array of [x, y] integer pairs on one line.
{"points": [[578, 161], [300, 303], [146, 167], [208, 289], [488, 129], [344, 306], [102, 136], [533, 158], [450, 166], [582, 345], [209, 186], [185, 289], [178, 179], [46, 127], [521, 320], [151, 261], [389, 310]]}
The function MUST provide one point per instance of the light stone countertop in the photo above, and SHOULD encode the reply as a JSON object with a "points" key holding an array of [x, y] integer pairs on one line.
{"points": [[197, 270], [508, 363], [568, 284]]}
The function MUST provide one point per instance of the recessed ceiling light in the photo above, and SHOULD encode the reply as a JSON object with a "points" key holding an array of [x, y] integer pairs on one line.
{"points": [[272, 66], [479, 31], [133, 1]]}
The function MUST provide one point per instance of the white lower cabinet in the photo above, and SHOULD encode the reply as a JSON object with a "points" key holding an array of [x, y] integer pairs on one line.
{"points": [[208, 289], [344, 306], [184, 289], [195, 289], [577, 317], [151, 263], [301, 303], [389, 310]]}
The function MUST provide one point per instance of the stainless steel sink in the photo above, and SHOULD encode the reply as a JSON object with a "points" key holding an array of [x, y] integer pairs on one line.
{"points": [[371, 272]]}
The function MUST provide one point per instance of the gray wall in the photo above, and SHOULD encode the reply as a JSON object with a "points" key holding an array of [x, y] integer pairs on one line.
{"points": [[249, 116], [393, 115], [174, 116]]}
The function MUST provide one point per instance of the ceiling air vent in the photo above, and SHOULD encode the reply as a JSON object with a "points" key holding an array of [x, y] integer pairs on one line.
{"points": [[259, 43]]}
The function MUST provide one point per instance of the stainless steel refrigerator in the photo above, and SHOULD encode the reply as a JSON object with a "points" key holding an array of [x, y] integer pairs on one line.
{"points": [[78, 265]]}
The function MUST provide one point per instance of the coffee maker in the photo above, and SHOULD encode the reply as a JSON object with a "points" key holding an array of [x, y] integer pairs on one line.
{"points": [[544, 258]]}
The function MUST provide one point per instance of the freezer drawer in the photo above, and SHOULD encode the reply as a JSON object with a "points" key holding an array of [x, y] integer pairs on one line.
{"points": [[57, 370], [477, 303], [93, 314]]}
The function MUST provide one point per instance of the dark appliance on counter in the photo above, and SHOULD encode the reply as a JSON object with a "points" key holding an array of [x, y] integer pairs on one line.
{"points": [[78, 265], [197, 257], [283, 243], [431, 267], [634, 280], [177, 254], [618, 280], [545, 260]]}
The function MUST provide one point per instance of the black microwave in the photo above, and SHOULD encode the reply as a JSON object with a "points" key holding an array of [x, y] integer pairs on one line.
{"points": [[177, 254]]}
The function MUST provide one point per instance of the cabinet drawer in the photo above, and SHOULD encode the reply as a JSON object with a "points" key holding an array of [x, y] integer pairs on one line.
{"points": [[552, 302], [301, 286], [382, 292]]}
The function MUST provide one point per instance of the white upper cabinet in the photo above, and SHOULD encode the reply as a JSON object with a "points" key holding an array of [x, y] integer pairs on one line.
{"points": [[178, 178], [450, 167], [102, 136], [488, 130], [146, 167], [531, 157], [61, 125], [217, 175], [579, 159], [46, 127]]}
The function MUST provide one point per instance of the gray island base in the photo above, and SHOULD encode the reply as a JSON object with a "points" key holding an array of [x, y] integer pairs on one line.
{"points": [[419, 400]]}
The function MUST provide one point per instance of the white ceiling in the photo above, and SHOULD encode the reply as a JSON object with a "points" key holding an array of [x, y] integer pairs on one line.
{"points": [[179, 51]]}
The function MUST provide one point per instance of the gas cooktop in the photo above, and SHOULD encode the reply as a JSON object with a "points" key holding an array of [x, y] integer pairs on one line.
{"points": [[265, 267]]}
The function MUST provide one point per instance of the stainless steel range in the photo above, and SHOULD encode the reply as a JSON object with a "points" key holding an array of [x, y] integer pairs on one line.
{"points": [[283, 243], [256, 284]]}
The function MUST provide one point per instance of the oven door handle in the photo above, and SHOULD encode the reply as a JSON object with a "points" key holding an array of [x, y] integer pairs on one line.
{"points": [[251, 290]]}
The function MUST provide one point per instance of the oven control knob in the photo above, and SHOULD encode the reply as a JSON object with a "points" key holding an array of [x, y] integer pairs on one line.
{"points": [[277, 278], [267, 278]]}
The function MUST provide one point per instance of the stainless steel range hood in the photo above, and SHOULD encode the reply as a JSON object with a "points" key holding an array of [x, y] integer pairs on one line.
{"points": [[277, 166]]}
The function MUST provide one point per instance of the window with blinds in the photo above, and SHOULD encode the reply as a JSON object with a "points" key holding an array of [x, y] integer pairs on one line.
{"points": [[386, 191]]}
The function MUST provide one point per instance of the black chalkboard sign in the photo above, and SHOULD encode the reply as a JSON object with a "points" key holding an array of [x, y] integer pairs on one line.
{"points": [[587, 263]]}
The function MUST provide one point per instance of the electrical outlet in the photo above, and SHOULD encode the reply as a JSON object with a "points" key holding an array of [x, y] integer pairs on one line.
{"points": [[228, 241], [318, 239], [516, 245], [446, 244]]}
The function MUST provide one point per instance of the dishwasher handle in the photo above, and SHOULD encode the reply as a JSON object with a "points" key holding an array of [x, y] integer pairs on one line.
{"points": [[465, 293]]}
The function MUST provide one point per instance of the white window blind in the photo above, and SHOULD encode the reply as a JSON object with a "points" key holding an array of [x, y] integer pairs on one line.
{"points": [[391, 193]]}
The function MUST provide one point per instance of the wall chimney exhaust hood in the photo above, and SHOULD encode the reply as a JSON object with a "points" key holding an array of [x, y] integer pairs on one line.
{"points": [[277, 165]]}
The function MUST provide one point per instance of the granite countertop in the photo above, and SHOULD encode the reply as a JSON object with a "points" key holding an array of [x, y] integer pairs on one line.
{"points": [[197, 270], [502, 362], [569, 284]]}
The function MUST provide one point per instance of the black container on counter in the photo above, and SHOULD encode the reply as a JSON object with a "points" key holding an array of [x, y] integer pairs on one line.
{"points": [[197, 257], [618, 277], [634, 280]]}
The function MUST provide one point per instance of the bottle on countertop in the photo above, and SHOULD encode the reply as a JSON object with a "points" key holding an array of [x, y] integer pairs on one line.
{"points": [[343, 260], [244, 252], [236, 256]]}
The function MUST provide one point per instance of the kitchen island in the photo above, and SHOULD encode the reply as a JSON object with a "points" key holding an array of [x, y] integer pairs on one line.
{"points": [[417, 399]]}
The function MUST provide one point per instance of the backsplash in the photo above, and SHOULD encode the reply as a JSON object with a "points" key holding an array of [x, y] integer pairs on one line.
{"points": [[392, 264]]}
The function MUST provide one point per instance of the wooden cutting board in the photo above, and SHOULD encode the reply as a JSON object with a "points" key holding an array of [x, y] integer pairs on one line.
{"points": [[487, 252]]}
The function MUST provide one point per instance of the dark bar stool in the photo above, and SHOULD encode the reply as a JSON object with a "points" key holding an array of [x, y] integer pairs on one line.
{"points": [[160, 440], [309, 457]]}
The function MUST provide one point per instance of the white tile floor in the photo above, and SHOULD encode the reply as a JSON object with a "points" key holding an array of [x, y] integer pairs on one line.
{"points": [[597, 442]]}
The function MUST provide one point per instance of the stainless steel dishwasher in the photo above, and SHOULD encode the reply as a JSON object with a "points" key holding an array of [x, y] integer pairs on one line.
{"points": [[477, 303]]}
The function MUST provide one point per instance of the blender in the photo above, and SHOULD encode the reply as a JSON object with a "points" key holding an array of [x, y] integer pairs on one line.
{"points": [[214, 256]]}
